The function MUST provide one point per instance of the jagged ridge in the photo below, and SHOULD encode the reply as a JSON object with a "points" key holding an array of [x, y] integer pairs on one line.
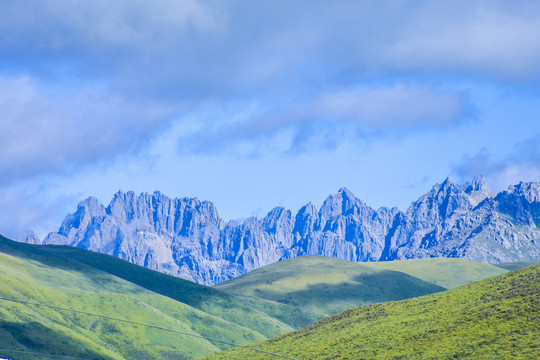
{"points": [[186, 237]]}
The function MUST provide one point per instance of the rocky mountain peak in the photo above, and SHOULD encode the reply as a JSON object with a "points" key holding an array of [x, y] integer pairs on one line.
{"points": [[447, 187], [528, 190], [342, 203], [278, 223], [306, 219], [186, 237], [446, 183], [276, 217], [478, 185], [122, 205], [522, 203], [31, 237], [442, 201], [308, 209], [346, 194], [477, 190], [91, 207]]}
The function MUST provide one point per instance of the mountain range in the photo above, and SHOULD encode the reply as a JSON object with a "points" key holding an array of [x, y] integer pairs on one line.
{"points": [[187, 238]]}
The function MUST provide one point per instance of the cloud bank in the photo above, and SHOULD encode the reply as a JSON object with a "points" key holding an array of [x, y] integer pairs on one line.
{"points": [[42, 133], [234, 46], [327, 120], [83, 81]]}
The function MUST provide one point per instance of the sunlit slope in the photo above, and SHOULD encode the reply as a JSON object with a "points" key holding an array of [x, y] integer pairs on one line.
{"points": [[495, 318], [328, 285], [253, 313], [43, 275], [41, 329]]}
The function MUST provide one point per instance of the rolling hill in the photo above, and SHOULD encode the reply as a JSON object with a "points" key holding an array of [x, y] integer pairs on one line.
{"points": [[79, 279], [516, 265], [326, 285], [69, 277], [498, 317]]}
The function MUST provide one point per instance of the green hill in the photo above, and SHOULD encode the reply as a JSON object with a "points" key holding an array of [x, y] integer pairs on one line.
{"points": [[326, 285], [75, 278], [244, 311], [79, 279], [516, 265], [446, 272], [495, 318]]}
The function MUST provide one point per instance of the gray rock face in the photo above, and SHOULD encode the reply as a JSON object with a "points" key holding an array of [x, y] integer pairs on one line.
{"points": [[186, 237]]}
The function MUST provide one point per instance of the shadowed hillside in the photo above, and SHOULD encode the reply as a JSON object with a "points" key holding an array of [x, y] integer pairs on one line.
{"points": [[78, 279], [328, 285], [498, 317]]}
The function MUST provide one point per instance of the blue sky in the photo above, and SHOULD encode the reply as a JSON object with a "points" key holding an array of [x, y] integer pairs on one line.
{"points": [[254, 104]]}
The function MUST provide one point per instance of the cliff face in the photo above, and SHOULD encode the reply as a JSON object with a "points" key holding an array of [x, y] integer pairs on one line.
{"points": [[186, 237]]}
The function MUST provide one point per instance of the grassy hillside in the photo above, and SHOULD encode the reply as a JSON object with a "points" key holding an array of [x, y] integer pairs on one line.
{"points": [[244, 311], [75, 278], [79, 279], [327, 285], [495, 318], [446, 272], [41, 329], [516, 265]]}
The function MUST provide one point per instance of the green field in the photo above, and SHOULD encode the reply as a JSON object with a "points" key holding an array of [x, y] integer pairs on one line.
{"points": [[516, 265], [495, 318], [326, 285], [244, 311], [78, 279], [260, 305]]}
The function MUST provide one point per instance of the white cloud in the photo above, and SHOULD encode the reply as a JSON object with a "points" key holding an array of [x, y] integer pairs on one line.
{"points": [[26, 206], [317, 72], [327, 120], [399, 105], [216, 48], [522, 165], [42, 133], [100, 25], [490, 38]]}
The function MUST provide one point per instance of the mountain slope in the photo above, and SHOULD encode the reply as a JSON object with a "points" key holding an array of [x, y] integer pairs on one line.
{"points": [[187, 238], [516, 265], [328, 285], [245, 312], [72, 278], [498, 317], [446, 272]]}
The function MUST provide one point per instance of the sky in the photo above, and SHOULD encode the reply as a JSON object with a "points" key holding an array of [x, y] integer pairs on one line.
{"points": [[257, 104]]}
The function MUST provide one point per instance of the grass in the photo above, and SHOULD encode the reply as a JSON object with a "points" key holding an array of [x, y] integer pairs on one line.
{"points": [[516, 265], [266, 303], [446, 272], [80, 279], [41, 329], [204, 298], [495, 318], [326, 285]]}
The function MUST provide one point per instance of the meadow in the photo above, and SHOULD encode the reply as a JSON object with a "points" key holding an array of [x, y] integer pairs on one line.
{"points": [[495, 318]]}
